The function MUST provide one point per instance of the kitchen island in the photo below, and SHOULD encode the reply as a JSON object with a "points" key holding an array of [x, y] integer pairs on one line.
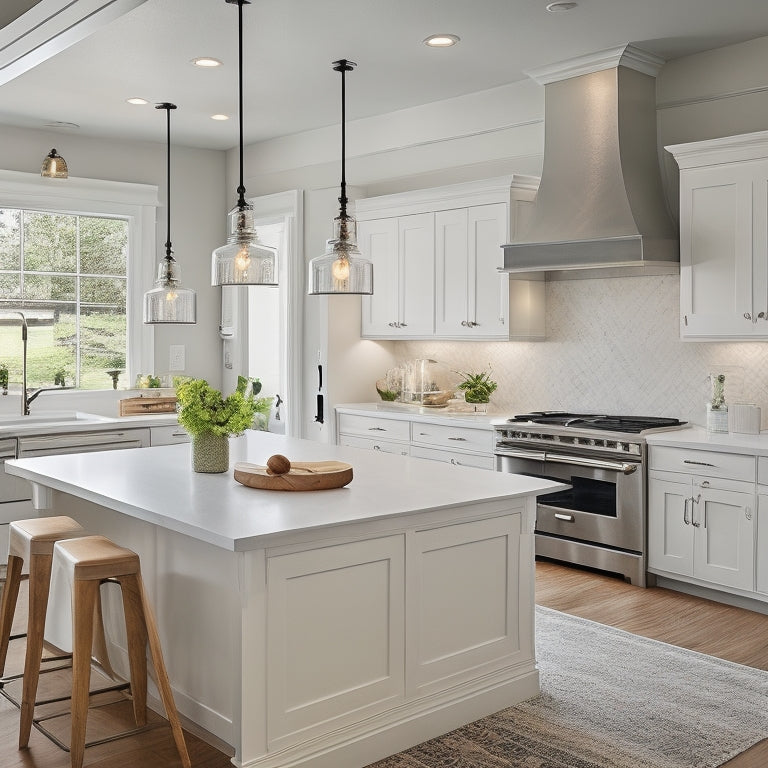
{"points": [[332, 627]]}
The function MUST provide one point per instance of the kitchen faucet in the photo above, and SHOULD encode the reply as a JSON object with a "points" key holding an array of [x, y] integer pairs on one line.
{"points": [[26, 396]]}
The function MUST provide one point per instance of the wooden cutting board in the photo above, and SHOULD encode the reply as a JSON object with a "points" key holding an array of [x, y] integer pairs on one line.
{"points": [[302, 476]]}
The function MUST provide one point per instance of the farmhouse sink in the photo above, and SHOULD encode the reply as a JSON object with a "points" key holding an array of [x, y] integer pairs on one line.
{"points": [[52, 417]]}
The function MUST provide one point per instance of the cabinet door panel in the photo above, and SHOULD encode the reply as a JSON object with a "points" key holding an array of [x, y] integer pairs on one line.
{"points": [[378, 241], [463, 607], [452, 273], [670, 539], [349, 599], [416, 282], [716, 217], [761, 566], [725, 538], [489, 301]]}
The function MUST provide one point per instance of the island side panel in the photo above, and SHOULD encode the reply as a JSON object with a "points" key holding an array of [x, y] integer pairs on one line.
{"points": [[194, 591], [354, 673]]}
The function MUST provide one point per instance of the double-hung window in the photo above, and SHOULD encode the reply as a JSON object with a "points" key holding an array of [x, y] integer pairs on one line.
{"points": [[72, 257]]}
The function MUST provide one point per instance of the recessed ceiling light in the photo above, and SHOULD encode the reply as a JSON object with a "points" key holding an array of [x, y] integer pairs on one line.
{"points": [[206, 61], [137, 100], [219, 117], [441, 41], [555, 7]]}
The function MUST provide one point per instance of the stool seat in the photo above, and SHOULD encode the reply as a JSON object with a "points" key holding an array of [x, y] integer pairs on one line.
{"points": [[31, 542], [96, 558], [39, 534], [86, 562]]}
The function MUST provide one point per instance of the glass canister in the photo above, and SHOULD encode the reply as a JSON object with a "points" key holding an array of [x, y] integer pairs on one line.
{"points": [[717, 409], [428, 382]]}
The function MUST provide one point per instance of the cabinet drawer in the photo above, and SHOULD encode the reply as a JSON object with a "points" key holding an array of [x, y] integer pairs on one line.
{"points": [[762, 470], [460, 438], [168, 435], [372, 426], [372, 444], [453, 457], [734, 466]]}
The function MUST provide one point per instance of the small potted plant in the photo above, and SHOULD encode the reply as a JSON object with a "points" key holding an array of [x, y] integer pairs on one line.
{"points": [[4, 378], [477, 387], [210, 419]]}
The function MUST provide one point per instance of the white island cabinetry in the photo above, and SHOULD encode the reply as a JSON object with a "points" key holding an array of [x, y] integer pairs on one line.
{"points": [[336, 627]]}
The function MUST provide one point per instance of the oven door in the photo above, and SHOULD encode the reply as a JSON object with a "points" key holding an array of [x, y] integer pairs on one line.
{"points": [[604, 504]]}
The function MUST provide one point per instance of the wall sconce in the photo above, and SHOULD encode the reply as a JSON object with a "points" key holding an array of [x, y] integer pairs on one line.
{"points": [[54, 166]]}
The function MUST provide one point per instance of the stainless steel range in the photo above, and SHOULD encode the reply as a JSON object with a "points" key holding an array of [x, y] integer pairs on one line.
{"points": [[601, 520]]}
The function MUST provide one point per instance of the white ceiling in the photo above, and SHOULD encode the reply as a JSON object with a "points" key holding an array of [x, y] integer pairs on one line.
{"points": [[290, 44]]}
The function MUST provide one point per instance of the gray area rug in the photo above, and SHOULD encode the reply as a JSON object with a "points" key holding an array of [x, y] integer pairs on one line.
{"points": [[611, 699]]}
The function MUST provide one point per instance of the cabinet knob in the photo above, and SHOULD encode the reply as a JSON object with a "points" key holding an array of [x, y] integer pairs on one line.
{"points": [[763, 315], [747, 316], [464, 323], [748, 513], [402, 325]]}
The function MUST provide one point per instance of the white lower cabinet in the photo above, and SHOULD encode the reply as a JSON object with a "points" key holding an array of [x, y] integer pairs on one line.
{"points": [[407, 435], [702, 527], [761, 559]]}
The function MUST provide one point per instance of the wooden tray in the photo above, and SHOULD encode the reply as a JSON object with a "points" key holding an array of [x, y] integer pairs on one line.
{"points": [[303, 476], [137, 406]]}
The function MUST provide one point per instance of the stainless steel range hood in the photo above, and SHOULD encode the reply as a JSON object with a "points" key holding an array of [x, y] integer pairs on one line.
{"points": [[600, 208]]}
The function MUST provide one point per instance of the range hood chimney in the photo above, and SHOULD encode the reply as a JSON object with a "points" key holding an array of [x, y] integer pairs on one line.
{"points": [[600, 207]]}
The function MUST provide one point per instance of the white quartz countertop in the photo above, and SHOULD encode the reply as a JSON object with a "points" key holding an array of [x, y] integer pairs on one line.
{"points": [[65, 422], [726, 442], [157, 485], [423, 414]]}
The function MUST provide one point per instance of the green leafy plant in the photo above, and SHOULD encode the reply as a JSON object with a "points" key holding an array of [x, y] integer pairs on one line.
{"points": [[204, 409], [3, 376], [477, 387]]}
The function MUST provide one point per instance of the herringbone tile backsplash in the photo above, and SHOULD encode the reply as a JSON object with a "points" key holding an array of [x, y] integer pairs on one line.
{"points": [[613, 346]]}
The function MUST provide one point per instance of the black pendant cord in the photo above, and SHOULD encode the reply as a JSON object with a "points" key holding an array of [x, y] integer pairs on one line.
{"points": [[167, 106], [240, 3], [343, 66]]}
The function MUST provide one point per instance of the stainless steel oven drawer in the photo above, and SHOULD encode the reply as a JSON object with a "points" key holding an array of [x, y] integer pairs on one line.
{"points": [[625, 533]]}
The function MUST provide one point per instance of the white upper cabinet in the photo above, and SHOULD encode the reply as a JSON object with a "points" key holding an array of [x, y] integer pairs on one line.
{"points": [[724, 237], [403, 253], [436, 256]]}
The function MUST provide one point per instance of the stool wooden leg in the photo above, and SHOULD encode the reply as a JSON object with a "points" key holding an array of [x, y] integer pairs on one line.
{"points": [[163, 683], [83, 603], [39, 584], [136, 630], [100, 652], [8, 605]]}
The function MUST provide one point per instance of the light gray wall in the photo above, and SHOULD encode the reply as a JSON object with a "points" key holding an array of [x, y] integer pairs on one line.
{"points": [[198, 209]]}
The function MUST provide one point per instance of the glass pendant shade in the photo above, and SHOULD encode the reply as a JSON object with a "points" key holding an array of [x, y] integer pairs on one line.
{"points": [[342, 268], [54, 166], [168, 301], [243, 260]]}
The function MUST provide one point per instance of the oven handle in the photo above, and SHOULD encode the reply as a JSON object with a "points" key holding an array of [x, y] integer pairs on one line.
{"points": [[502, 450], [626, 468]]}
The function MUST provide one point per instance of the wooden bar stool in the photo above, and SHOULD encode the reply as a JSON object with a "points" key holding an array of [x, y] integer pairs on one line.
{"points": [[31, 542], [87, 562]]}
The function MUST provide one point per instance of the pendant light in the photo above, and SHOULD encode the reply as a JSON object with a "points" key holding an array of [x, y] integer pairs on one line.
{"points": [[243, 260], [54, 166], [168, 302], [342, 268]]}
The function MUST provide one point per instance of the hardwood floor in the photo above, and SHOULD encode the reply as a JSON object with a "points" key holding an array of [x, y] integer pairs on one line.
{"points": [[691, 622]]}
